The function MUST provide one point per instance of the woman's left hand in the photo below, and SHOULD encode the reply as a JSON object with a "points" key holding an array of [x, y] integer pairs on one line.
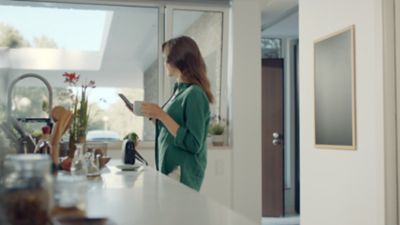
{"points": [[152, 110]]}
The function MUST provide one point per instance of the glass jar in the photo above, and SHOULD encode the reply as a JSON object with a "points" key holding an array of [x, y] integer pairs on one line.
{"points": [[79, 165], [92, 165], [28, 189]]}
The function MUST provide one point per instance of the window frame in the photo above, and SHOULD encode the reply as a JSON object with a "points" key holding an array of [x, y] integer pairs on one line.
{"points": [[223, 108], [166, 31]]}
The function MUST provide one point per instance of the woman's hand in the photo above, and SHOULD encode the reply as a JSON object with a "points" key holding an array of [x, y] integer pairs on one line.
{"points": [[152, 110]]}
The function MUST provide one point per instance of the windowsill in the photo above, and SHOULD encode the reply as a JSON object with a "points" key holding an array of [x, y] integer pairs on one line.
{"points": [[149, 145]]}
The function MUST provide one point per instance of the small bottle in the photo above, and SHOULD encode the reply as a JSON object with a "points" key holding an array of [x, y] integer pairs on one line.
{"points": [[43, 146]]}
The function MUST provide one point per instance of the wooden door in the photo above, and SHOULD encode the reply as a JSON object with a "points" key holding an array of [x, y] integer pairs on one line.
{"points": [[272, 138]]}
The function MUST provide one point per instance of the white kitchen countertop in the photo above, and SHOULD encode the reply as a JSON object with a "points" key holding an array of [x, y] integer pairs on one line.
{"points": [[146, 197]]}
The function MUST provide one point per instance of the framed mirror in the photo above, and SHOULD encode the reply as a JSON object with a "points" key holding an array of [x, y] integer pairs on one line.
{"points": [[334, 90]]}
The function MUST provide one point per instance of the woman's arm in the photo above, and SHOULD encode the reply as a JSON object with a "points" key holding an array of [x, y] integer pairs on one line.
{"points": [[191, 135]]}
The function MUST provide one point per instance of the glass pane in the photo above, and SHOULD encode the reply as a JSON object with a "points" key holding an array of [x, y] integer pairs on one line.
{"points": [[271, 48], [45, 33], [205, 27], [115, 46], [30, 99]]}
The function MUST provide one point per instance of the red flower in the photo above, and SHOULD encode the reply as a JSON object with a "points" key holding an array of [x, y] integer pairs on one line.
{"points": [[71, 78]]}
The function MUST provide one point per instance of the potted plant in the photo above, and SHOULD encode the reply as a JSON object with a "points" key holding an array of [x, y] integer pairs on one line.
{"points": [[133, 137], [78, 94], [216, 130]]}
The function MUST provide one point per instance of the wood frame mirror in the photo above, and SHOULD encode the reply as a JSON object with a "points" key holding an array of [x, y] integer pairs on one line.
{"points": [[334, 90]]}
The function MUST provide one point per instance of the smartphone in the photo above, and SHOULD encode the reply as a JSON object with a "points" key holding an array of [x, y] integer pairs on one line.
{"points": [[127, 102]]}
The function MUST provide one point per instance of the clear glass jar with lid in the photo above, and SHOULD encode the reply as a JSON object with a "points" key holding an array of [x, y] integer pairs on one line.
{"points": [[28, 189]]}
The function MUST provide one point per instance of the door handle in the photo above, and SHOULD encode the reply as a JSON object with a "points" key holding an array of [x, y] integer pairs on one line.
{"points": [[276, 135], [277, 139], [276, 142]]}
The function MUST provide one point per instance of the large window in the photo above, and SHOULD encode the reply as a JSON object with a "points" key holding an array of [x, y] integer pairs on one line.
{"points": [[116, 46]]}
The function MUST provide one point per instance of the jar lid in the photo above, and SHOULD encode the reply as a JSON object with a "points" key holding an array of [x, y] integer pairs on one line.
{"points": [[28, 157], [28, 161]]}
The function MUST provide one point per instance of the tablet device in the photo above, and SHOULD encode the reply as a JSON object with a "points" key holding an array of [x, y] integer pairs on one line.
{"points": [[127, 102]]}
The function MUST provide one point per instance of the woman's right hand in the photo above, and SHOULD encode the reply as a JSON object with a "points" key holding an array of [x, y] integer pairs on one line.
{"points": [[152, 110]]}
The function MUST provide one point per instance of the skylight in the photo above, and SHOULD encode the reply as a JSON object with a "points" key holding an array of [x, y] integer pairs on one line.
{"points": [[62, 28]]}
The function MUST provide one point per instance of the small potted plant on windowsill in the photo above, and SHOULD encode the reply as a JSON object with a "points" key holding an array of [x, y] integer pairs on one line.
{"points": [[216, 130], [133, 137]]}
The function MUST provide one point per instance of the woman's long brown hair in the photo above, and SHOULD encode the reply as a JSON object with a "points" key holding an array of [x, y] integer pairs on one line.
{"points": [[183, 53]]}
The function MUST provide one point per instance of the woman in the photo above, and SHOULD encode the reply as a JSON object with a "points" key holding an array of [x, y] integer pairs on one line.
{"points": [[182, 122]]}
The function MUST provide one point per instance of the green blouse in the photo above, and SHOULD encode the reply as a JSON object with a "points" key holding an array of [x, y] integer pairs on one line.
{"points": [[189, 107]]}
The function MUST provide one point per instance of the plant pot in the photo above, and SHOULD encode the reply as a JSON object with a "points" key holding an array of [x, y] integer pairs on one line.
{"points": [[217, 140]]}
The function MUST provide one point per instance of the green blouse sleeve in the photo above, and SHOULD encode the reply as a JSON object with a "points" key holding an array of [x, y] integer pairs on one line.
{"points": [[191, 135]]}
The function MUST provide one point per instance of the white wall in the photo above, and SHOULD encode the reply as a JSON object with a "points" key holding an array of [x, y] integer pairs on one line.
{"points": [[339, 186], [245, 94]]}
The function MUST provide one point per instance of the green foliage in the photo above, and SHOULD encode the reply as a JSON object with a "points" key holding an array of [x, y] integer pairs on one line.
{"points": [[216, 128], [83, 114], [45, 106], [11, 37], [81, 117], [133, 137]]}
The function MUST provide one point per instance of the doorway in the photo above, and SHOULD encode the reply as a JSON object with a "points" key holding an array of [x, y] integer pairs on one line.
{"points": [[272, 138], [280, 138]]}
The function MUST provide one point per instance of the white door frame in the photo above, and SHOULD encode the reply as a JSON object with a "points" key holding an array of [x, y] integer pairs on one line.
{"points": [[391, 77], [396, 174]]}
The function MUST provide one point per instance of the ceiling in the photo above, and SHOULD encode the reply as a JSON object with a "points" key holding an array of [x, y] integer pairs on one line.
{"points": [[279, 18]]}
